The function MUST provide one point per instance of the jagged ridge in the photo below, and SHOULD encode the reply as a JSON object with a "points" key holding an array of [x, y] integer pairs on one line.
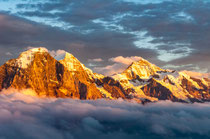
{"points": [[141, 81]]}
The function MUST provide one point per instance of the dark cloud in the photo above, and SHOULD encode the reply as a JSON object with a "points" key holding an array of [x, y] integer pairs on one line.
{"points": [[30, 117], [198, 61], [18, 34], [175, 30]]}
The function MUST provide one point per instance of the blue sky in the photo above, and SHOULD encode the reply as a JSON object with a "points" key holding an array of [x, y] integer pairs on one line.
{"points": [[171, 34]]}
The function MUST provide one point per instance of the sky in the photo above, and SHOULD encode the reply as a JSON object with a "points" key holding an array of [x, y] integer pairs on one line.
{"points": [[102, 34]]}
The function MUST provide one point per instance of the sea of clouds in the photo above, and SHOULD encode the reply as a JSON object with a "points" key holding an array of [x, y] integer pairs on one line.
{"points": [[23, 117]]}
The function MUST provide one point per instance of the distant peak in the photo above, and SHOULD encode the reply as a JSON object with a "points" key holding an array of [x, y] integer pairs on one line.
{"points": [[69, 60], [64, 56], [143, 62], [68, 56], [141, 68]]}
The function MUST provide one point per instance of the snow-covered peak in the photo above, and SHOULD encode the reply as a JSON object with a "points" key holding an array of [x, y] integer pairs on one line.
{"points": [[65, 56], [37, 49], [144, 63], [69, 56], [142, 68], [27, 57], [71, 62], [74, 65]]}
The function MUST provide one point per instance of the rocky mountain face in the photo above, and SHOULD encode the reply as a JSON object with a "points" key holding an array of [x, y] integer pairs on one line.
{"points": [[38, 70], [142, 81]]}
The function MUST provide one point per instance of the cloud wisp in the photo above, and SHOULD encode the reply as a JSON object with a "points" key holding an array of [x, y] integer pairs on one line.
{"points": [[31, 117]]}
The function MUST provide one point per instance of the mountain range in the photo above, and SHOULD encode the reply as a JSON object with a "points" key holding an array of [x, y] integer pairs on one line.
{"points": [[142, 81]]}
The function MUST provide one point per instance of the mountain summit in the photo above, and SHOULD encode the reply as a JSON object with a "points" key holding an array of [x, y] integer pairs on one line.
{"points": [[141, 69], [65, 77]]}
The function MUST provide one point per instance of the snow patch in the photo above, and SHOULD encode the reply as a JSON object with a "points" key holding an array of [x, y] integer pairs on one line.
{"points": [[25, 58], [73, 64]]}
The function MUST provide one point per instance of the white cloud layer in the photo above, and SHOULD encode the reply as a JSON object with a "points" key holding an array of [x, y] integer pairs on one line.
{"points": [[30, 117]]}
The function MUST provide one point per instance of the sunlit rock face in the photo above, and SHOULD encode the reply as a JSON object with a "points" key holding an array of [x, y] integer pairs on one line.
{"points": [[79, 80], [47, 76], [199, 88], [157, 90], [112, 86], [142, 81], [146, 81]]}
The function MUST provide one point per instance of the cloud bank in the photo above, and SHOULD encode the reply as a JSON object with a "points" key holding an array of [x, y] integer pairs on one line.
{"points": [[165, 32], [25, 116]]}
